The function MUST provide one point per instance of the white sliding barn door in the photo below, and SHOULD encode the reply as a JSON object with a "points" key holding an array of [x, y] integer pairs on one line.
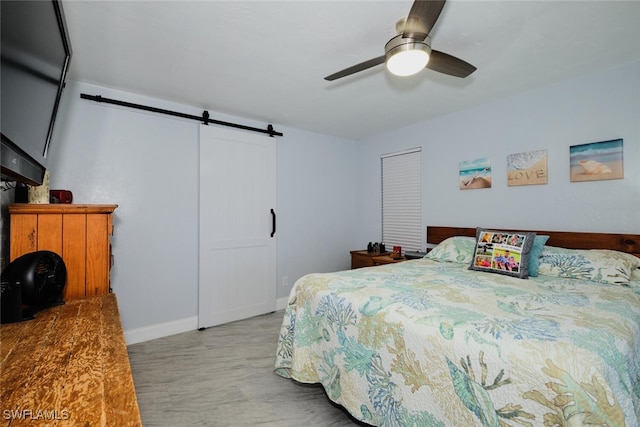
{"points": [[237, 256]]}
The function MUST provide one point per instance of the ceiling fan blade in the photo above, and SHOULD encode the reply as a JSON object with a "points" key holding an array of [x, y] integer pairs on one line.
{"points": [[356, 68], [422, 16], [447, 64]]}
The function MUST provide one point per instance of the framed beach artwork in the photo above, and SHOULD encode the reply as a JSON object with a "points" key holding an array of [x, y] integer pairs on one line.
{"points": [[475, 174], [596, 161], [528, 168]]}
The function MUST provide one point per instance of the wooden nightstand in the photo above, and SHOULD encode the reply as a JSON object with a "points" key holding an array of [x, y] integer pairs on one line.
{"points": [[363, 258], [386, 259]]}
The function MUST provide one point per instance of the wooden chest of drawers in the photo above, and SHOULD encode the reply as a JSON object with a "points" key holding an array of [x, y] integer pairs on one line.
{"points": [[80, 234]]}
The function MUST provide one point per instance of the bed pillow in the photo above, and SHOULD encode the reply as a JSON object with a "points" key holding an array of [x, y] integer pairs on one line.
{"points": [[534, 255], [595, 265], [458, 249], [502, 252]]}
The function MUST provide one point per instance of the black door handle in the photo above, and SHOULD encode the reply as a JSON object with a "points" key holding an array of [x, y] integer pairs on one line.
{"points": [[273, 223]]}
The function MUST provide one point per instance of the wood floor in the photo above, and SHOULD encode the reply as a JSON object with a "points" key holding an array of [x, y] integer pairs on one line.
{"points": [[223, 376]]}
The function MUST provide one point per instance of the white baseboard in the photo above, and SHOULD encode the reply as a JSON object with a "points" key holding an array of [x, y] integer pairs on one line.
{"points": [[147, 333], [160, 330]]}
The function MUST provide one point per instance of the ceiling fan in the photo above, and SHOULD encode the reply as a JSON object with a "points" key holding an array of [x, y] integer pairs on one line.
{"points": [[410, 51]]}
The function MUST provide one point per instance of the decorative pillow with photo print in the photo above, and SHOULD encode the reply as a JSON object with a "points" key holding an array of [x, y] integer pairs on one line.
{"points": [[502, 252]]}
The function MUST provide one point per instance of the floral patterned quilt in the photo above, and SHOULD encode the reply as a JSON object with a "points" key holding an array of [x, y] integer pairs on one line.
{"points": [[427, 343]]}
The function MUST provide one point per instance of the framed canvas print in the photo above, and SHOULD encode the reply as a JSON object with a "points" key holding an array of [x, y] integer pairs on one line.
{"points": [[596, 161], [528, 168], [475, 174]]}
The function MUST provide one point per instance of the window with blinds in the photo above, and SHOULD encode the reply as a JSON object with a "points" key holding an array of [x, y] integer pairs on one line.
{"points": [[402, 200]]}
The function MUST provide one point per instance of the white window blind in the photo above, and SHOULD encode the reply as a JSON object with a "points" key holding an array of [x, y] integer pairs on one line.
{"points": [[402, 200]]}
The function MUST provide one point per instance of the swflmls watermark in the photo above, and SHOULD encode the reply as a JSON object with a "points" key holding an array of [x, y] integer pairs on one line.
{"points": [[35, 414]]}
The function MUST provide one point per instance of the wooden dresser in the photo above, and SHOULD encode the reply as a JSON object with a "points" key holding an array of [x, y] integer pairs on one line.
{"points": [[80, 234], [68, 367]]}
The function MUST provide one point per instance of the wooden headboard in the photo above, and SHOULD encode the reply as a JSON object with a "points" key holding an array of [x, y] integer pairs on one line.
{"points": [[629, 243]]}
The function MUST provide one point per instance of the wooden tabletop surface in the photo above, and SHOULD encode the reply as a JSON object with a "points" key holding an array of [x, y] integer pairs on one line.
{"points": [[68, 366]]}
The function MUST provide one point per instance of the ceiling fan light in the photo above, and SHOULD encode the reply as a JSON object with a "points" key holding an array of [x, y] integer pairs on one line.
{"points": [[406, 56], [407, 62]]}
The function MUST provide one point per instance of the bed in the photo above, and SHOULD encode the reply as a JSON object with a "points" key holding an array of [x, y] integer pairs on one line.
{"points": [[430, 342]]}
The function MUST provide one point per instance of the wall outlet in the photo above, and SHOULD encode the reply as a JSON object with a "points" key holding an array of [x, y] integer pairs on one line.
{"points": [[285, 281]]}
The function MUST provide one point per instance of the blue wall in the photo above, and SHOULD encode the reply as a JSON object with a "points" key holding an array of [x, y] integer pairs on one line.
{"points": [[329, 188], [591, 108], [148, 165]]}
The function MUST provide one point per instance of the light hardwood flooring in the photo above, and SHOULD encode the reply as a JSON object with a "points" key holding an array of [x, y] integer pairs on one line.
{"points": [[223, 376]]}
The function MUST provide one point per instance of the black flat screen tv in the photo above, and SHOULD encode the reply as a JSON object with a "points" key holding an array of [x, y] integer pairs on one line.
{"points": [[35, 55]]}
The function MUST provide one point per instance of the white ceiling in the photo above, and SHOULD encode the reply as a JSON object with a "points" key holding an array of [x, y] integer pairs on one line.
{"points": [[266, 60]]}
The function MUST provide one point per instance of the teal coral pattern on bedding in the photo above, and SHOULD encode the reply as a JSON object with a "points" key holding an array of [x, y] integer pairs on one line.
{"points": [[454, 249], [428, 343], [597, 265]]}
